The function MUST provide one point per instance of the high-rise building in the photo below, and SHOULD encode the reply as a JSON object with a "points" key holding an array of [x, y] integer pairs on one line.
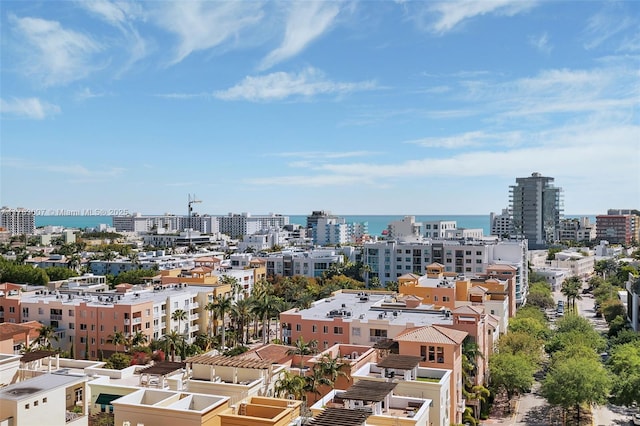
{"points": [[536, 207], [18, 221]]}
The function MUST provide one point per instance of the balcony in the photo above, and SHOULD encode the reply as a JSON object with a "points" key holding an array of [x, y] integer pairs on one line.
{"points": [[137, 320], [55, 317], [127, 321]]}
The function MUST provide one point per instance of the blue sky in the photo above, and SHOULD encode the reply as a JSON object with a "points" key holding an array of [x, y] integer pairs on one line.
{"points": [[354, 107]]}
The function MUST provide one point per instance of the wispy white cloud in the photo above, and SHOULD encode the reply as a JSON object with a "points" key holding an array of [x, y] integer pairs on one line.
{"points": [[452, 13], [580, 144], [309, 181], [121, 15], [32, 108], [325, 154], [470, 139], [280, 85], [202, 25], [183, 95], [72, 170], [306, 22], [612, 24], [541, 43], [86, 93], [54, 55]]}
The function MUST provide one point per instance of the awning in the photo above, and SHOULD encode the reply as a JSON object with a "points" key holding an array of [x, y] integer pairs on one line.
{"points": [[106, 398]]}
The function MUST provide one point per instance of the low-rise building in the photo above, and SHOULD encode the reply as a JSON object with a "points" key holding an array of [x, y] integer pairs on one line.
{"points": [[48, 399]]}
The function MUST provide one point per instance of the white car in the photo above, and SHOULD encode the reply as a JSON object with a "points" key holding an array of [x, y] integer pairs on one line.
{"points": [[636, 419]]}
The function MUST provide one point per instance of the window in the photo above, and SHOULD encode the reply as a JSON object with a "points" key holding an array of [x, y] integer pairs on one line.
{"points": [[101, 327], [78, 393], [355, 331], [298, 327], [44, 400], [148, 311], [71, 312], [35, 403], [83, 326], [479, 261], [467, 261], [147, 325], [440, 354], [93, 327], [71, 326], [325, 329], [26, 406], [435, 298], [432, 354], [25, 312], [314, 328], [478, 253], [12, 310], [423, 352], [445, 298], [325, 344], [337, 330]]}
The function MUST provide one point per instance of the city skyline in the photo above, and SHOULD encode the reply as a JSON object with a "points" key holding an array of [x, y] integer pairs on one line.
{"points": [[354, 107]]}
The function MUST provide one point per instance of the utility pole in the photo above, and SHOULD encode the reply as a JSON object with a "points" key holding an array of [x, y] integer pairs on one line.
{"points": [[192, 200]]}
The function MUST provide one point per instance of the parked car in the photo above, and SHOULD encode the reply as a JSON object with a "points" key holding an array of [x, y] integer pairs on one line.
{"points": [[636, 419]]}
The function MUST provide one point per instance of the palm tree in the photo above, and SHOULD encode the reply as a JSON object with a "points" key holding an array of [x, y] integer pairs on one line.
{"points": [[314, 380], [242, 311], [332, 368], [179, 315], [173, 340], [289, 384], [117, 338], [266, 306], [212, 308], [47, 334], [223, 305], [301, 348], [236, 288], [571, 289], [139, 339]]}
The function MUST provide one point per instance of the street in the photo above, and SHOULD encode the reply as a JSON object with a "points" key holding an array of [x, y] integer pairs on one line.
{"points": [[532, 409]]}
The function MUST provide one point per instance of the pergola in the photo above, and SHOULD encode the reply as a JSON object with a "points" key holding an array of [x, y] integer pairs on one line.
{"points": [[230, 362], [155, 374], [340, 416], [33, 360], [363, 392]]}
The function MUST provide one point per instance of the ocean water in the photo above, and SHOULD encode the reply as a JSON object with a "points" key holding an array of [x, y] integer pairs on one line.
{"points": [[376, 223]]}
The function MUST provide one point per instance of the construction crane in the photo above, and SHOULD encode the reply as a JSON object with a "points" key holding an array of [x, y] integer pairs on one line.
{"points": [[192, 200]]}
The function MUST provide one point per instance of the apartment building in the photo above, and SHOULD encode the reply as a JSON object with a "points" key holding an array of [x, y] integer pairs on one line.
{"points": [[406, 229], [18, 221], [236, 225], [438, 229], [536, 208], [414, 381], [501, 224], [579, 264], [577, 229], [168, 223], [311, 263], [617, 229], [16, 337], [633, 302], [389, 260], [86, 321]]}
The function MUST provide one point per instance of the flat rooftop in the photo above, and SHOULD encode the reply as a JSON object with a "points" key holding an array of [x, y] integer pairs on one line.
{"points": [[37, 385], [134, 297], [357, 306]]}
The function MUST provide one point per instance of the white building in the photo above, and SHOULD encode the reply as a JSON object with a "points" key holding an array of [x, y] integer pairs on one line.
{"points": [[237, 225], [311, 263], [48, 399], [406, 229], [389, 260], [438, 228], [168, 223], [18, 221]]}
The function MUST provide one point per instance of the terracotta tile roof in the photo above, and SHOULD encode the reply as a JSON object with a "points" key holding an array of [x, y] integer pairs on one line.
{"points": [[274, 353], [409, 276], [207, 260], [201, 269], [469, 309], [435, 264], [17, 332], [478, 289], [432, 334]]}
